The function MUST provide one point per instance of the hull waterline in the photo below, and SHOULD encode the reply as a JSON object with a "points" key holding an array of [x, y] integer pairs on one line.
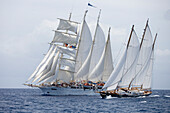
{"points": [[54, 91]]}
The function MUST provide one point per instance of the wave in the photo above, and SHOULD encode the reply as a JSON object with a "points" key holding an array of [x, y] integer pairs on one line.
{"points": [[154, 96], [167, 96], [142, 101], [110, 97]]}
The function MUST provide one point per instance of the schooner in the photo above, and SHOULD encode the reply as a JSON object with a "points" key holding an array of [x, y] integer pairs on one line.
{"points": [[73, 59], [133, 74]]}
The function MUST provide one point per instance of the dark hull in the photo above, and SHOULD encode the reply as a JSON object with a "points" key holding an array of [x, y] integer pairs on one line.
{"points": [[105, 94]]}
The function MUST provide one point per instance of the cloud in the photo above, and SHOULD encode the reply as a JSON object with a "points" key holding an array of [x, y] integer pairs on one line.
{"points": [[165, 52], [167, 14], [28, 44]]}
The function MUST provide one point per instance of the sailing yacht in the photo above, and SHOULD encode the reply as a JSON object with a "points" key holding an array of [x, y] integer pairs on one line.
{"points": [[133, 74], [65, 67]]}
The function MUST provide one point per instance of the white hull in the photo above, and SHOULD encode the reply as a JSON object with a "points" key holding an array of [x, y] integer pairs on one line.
{"points": [[66, 91]]}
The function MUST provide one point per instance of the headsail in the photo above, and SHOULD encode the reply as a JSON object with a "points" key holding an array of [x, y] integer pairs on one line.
{"points": [[84, 45]]}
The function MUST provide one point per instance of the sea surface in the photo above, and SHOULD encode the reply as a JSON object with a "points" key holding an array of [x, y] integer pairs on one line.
{"points": [[31, 100]]}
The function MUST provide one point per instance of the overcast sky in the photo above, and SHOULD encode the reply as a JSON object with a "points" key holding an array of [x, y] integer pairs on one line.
{"points": [[26, 28]]}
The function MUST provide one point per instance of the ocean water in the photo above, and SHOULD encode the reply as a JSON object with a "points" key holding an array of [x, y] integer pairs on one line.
{"points": [[31, 100]]}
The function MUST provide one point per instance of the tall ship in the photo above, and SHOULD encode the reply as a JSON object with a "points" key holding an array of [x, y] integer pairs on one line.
{"points": [[132, 75], [74, 64]]}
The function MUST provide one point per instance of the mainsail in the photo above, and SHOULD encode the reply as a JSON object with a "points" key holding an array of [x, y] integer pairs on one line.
{"points": [[123, 65], [144, 57], [94, 55], [103, 69]]}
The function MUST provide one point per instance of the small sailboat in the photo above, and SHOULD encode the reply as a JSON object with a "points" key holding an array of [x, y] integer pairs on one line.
{"points": [[133, 74]]}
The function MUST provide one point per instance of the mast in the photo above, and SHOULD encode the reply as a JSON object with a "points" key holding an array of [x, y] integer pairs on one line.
{"points": [[63, 43], [140, 48], [127, 48], [154, 42], [144, 33], [94, 37], [81, 32], [130, 36]]}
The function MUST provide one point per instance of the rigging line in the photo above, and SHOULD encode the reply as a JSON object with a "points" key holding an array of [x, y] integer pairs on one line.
{"points": [[118, 54]]}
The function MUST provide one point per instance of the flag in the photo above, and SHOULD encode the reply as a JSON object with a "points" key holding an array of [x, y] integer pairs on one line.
{"points": [[91, 5]]}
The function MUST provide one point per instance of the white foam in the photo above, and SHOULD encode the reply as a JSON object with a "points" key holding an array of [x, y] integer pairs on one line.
{"points": [[141, 97], [154, 96], [110, 97], [142, 101], [166, 96]]}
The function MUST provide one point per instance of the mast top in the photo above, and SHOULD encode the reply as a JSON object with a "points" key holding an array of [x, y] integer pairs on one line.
{"points": [[144, 33], [99, 16], [130, 36], [85, 14], [154, 41]]}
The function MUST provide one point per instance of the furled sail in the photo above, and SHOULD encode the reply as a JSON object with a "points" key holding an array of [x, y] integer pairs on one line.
{"points": [[68, 25], [64, 38]]}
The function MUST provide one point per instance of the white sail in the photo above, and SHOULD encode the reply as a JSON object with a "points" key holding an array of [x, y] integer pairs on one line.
{"points": [[53, 68], [47, 66], [85, 43], [96, 74], [68, 51], [131, 60], [64, 38], [103, 69], [82, 73], [64, 75], [67, 62], [144, 54], [68, 25], [148, 77], [42, 62], [98, 47], [95, 53], [116, 74], [108, 62]]}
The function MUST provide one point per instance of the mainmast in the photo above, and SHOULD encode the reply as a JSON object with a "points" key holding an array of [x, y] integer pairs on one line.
{"points": [[140, 48], [81, 33], [144, 33]]}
